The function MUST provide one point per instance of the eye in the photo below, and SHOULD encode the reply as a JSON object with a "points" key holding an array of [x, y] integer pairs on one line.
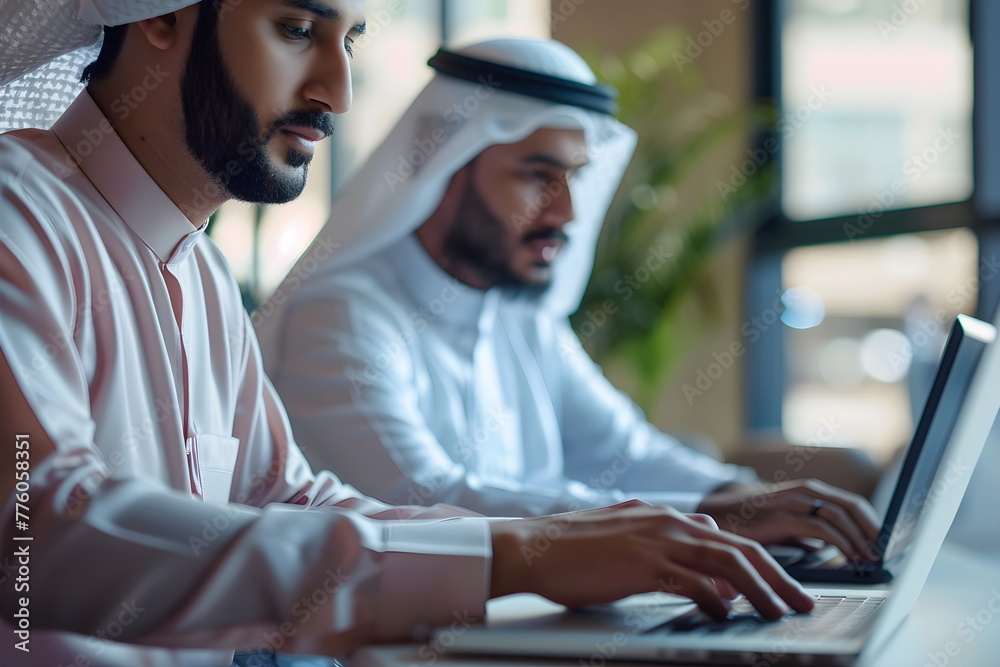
{"points": [[352, 37], [538, 175], [295, 33]]}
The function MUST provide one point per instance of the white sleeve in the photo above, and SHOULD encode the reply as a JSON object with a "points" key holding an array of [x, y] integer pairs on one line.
{"points": [[608, 442], [346, 368], [195, 575]]}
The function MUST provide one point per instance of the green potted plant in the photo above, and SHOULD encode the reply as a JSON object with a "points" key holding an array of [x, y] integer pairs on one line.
{"points": [[649, 280]]}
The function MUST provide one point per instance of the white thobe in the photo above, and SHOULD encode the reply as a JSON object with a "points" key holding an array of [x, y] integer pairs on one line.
{"points": [[165, 501], [444, 393]]}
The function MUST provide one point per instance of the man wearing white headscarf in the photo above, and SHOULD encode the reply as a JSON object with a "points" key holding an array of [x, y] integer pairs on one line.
{"points": [[156, 509], [435, 339]]}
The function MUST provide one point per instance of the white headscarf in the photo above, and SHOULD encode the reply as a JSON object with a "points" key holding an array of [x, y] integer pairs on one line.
{"points": [[451, 122], [44, 46]]}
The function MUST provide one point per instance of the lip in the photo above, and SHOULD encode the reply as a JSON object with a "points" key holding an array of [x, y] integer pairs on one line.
{"points": [[306, 137], [308, 133]]}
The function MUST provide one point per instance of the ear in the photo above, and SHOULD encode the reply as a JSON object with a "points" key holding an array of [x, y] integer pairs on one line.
{"points": [[160, 31]]}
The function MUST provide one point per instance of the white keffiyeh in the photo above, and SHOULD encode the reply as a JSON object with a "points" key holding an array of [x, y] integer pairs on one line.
{"points": [[451, 122], [44, 46]]}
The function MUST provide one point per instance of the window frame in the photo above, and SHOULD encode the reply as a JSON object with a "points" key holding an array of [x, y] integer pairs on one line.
{"points": [[766, 363]]}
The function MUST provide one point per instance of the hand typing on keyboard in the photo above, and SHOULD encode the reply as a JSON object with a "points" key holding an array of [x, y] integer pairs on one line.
{"points": [[787, 512], [601, 555]]}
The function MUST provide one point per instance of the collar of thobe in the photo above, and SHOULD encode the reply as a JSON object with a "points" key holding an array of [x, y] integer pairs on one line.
{"points": [[101, 155], [441, 297]]}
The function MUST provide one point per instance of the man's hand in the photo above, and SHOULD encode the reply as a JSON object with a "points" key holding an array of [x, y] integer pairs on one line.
{"points": [[787, 512], [602, 555]]}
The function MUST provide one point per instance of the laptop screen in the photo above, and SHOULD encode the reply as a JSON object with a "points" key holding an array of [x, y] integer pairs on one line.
{"points": [[915, 486]]}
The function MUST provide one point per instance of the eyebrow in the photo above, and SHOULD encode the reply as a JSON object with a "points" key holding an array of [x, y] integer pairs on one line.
{"points": [[323, 11], [553, 162]]}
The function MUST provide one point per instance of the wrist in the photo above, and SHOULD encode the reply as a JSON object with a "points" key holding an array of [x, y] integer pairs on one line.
{"points": [[510, 573]]}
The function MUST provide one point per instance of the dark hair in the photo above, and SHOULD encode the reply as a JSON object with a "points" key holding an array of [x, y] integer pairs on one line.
{"points": [[114, 38]]}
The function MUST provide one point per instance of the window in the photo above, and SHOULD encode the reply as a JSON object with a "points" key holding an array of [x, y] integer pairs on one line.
{"points": [[877, 100], [865, 324], [879, 242]]}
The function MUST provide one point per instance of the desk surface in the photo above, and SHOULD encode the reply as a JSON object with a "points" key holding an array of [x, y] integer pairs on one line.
{"points": [[955, 623]]}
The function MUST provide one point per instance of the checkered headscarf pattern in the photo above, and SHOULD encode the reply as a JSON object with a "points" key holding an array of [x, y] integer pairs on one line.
{"points": [[44, 46]]}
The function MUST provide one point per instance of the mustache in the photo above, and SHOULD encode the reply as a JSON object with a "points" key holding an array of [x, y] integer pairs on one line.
{"points": [[542, 234], [315, 120]]}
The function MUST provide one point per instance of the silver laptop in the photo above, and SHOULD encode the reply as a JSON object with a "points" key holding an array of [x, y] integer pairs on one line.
{"points": [[848, 618], [912, 483]]}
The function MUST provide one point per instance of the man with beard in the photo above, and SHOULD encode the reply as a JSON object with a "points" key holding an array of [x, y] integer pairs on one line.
{"points": [[156, 508], [436, 339]]}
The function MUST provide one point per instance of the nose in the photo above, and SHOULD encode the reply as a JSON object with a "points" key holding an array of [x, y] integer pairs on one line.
{"points": [[560, 209], [330, 83]]}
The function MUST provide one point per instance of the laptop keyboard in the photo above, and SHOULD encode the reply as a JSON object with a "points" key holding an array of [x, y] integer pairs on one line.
{"points": [[833, 617]]}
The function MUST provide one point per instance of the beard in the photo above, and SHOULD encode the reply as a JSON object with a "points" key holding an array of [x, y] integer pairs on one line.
{"points": [[222, 130], [480, 240]]}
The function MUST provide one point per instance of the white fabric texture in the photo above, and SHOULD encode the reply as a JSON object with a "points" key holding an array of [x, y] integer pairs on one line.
{"points": [[355, 346], [44, 46], [173, 517], [442, 393]]}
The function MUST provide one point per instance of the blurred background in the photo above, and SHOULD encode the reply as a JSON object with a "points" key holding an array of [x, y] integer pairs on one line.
{"points": [[823, 173]]}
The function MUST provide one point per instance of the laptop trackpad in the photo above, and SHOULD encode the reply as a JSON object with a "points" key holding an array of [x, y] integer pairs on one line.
{"points": [[638, 613]]}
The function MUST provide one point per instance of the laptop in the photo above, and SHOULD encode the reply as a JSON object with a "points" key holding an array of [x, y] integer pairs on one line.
{"points": [[912, 486], [848, 619]]}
